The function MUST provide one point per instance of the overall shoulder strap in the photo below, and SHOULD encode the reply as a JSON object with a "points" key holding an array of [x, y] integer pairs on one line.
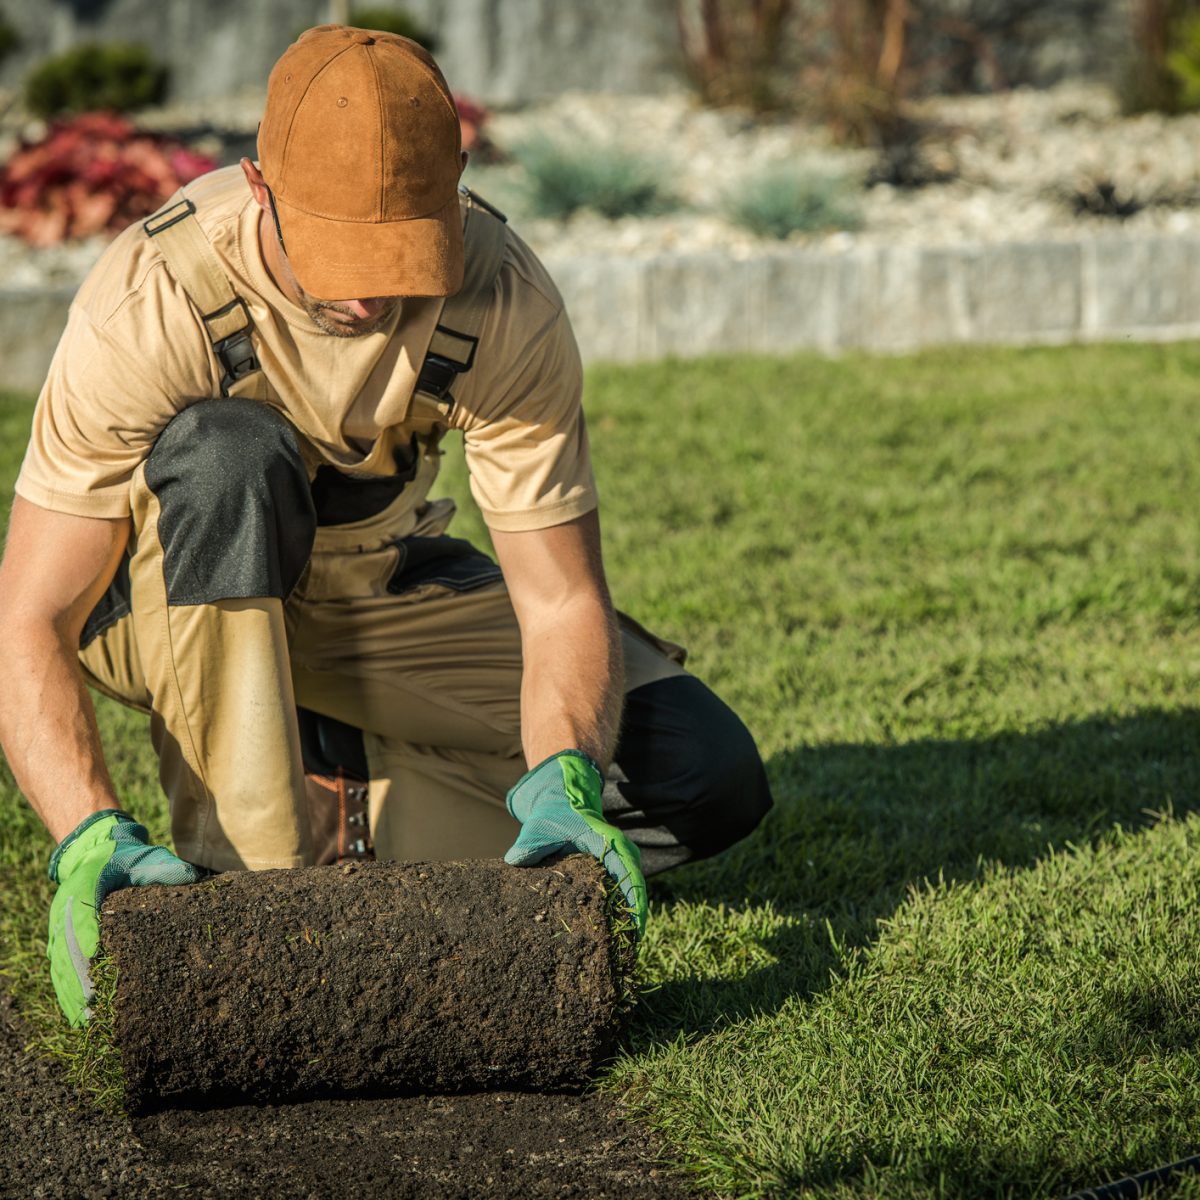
{"points": [[196, 268], [452, 347]]}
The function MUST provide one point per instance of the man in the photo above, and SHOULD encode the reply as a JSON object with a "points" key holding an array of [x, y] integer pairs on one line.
{"points": [[223, 517]]}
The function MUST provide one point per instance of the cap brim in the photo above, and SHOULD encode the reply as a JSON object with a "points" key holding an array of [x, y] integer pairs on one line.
{"points": [[358, 260]]}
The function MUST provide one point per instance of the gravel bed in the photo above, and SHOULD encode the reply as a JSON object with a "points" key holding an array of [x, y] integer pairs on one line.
{"points": [[1014, 166]]}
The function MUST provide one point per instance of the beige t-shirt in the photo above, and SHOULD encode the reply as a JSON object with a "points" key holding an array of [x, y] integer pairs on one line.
{"points": [[135, 353]]}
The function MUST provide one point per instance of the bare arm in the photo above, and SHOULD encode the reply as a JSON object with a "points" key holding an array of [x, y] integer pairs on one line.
{"points": [[55, 569], [572, 687]]}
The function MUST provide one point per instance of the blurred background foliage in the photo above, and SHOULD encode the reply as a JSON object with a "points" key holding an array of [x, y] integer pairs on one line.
{"points": [[856, 67], [1162, 73], [393, 20], [96, 77], [854, 63], [9, 38]]}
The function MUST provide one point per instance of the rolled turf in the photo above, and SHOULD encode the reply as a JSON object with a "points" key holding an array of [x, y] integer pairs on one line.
{"points": [[365, 978]]}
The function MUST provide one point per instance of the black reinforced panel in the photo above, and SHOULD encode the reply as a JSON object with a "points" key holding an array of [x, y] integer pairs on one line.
{"points": [[236, 515]]}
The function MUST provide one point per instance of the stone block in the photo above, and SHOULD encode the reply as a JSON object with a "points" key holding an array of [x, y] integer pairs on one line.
{"points": [[807, 301], [1027, 292], [1142, 283], [606, 299], [889, 305], [946, 298], [700, 304], [31, 322]]}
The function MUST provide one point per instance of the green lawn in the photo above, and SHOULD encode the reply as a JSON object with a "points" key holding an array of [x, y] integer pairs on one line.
{"points": [[955, 598]]}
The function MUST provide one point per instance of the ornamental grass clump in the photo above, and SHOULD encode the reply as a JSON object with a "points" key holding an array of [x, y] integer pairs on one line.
{"points": [[786, 199], [561, 179]]}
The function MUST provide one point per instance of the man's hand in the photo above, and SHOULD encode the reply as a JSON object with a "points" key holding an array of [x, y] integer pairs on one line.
{"points": [[107, 851], [558, 805]]}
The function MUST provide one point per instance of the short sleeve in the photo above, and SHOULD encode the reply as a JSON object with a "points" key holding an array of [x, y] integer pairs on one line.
{"points": [[111, 389], [522, 417]]}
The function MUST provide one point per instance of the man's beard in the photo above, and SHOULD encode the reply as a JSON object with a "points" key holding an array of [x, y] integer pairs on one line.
{"points": [[317, 309]]}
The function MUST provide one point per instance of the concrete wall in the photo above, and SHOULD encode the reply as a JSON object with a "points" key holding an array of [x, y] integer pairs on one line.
{"points": [[506, 52], [883, 299], [212, 47], [510, 51], [502, 51]]}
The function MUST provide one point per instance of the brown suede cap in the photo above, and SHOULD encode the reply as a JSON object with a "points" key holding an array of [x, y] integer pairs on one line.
{"points": [[361, 147]]}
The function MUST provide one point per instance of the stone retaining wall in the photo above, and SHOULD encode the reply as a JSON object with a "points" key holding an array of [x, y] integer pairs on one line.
{"points": [[880, 298], [884, 298]]}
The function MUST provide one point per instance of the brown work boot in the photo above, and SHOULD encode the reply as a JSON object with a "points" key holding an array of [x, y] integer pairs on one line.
{"points": [[337, 806]]}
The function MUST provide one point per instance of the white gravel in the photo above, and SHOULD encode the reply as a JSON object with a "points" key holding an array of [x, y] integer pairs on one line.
{"points": [[1014, 161]]}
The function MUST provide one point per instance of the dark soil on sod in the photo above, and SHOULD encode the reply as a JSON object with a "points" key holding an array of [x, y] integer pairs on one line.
{"points": [[363, 979], [501, 1144]]}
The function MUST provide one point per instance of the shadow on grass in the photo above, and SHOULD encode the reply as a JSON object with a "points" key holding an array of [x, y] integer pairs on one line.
{"points": [[855, 826]]}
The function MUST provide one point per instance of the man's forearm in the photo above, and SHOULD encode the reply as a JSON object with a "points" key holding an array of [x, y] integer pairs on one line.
{"points": [[573, 683], [48, 728]]}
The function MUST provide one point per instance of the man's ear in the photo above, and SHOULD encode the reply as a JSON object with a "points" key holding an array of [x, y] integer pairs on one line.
{"points": [[258, 185]]}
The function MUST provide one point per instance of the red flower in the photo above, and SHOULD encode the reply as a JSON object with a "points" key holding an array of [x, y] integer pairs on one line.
{"points": [[94, 173]]}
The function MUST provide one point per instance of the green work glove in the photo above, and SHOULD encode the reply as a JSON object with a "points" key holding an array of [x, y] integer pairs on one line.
{"points": [[107, 851], [558, 805]]}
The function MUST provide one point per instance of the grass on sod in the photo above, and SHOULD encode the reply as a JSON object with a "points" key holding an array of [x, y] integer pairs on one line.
{"points": [[954, 596]]}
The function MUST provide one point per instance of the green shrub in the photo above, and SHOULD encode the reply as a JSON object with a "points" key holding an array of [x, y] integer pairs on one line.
{"points": [[9, 38], [562, 179], [393, 20], [1183, 62], [1160, 71], [784, 200], [95, 75]]}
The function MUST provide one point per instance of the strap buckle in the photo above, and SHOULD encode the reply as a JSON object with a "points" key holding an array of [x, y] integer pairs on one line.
{"points": [[437, 378], [439, 371], [179, 211], [236, 354], [235, 351], [477, 199]]}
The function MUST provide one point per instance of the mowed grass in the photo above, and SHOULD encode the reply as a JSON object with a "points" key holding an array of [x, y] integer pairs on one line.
{"points": [[954, 596]]}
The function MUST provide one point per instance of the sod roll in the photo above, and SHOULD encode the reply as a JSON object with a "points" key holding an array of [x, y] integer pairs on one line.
{"points": [[365, 978]]}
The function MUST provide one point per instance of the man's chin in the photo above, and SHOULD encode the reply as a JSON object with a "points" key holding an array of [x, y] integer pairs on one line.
{"points": [[335, 326]]}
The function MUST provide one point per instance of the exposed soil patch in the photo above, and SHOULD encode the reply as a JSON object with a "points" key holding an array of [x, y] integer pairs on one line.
{"points": [[503, 1144], [442, 976], [364, 979], [490, 1145]]}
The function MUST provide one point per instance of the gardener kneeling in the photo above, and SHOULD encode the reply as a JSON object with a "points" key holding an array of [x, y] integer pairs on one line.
{"points": [[223, 519]]}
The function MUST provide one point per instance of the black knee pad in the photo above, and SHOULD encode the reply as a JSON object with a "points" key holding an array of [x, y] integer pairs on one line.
{"points": [[236, 514], [693, 774]]}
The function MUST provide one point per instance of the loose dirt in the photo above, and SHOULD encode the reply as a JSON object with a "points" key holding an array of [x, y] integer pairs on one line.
{"points": [[487, 1146]]}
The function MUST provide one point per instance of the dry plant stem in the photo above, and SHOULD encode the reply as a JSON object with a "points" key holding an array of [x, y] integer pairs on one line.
{"points": [[895, 20]]}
